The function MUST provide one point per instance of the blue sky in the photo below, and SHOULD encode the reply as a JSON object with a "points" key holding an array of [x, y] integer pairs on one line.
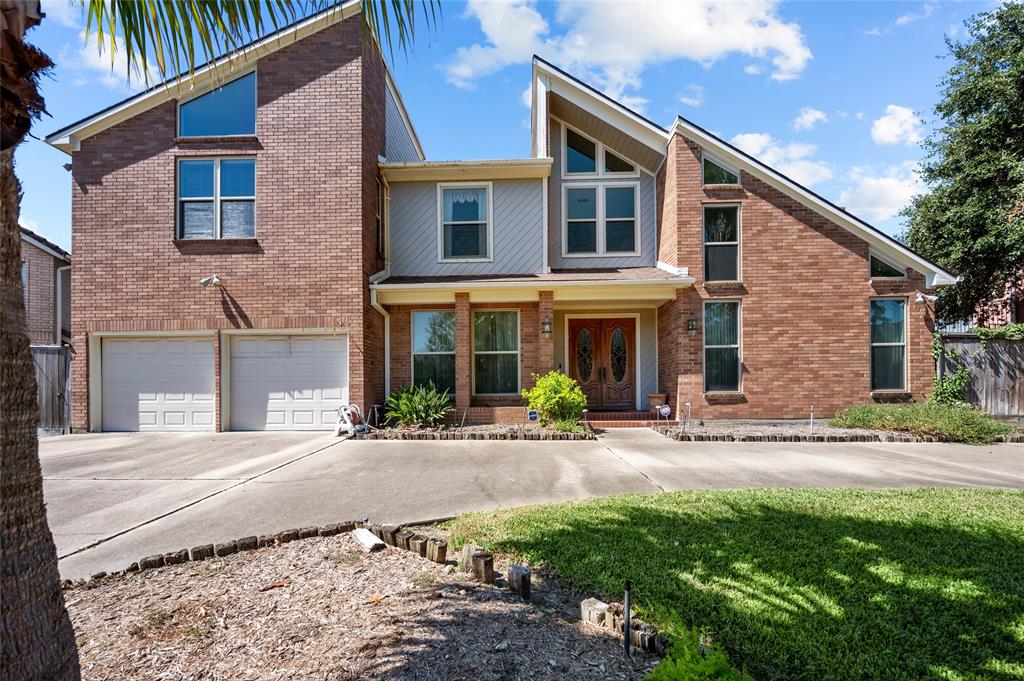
{"points": [[838, 95]]}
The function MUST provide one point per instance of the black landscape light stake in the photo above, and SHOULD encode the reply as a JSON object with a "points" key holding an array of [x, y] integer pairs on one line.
{"points": [[625, 617]]}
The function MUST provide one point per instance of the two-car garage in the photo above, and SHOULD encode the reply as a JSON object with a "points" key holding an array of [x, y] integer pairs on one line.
{"points": [[268, 382]]}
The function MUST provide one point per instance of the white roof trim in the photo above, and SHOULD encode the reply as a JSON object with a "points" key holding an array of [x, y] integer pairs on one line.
{"points": [[883, 244], [503, 169], [542, 284], [599, 105], [68, 139], [43, 247], [393, 88]]}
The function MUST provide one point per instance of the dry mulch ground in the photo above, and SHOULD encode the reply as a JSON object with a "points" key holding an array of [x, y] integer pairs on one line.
{"points": [[322, 608], [768, 428]]}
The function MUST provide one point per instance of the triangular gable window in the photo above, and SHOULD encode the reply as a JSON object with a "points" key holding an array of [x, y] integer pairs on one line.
{"points": [[880, 268], [716, 174], [616, 164], [227, 110]]}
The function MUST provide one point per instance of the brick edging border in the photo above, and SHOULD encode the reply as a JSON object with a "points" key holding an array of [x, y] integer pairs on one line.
{"points": [[474, 435], [395, 535], [881, 437]]}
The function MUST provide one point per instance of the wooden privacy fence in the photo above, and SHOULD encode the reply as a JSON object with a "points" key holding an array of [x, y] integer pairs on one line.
{"points": [[53, 373], [997, 372]]}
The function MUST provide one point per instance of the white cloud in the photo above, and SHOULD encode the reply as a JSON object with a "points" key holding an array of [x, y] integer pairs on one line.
{"points": [[808, 118], [873, 31], [527, 97], [753, 69], [910, 17], [792, 160], [694, 95], [881, 196], [112, 72], [611, 43], [28, 223], [64, 12], [899, 125]]}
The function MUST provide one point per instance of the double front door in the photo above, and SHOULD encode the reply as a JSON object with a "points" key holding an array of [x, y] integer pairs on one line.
{"points": [[601, 360]]}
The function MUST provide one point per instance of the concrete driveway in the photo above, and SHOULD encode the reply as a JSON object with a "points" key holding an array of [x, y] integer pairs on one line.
{"points": [[113, 498]]}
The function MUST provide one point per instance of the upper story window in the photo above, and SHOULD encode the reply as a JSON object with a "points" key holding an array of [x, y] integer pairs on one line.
{"points": [[465, 223], [600, 220], [721, 243], [888, 344], [717, 173], [882, 269], [217, 198], [225, 111], [586, 156]]}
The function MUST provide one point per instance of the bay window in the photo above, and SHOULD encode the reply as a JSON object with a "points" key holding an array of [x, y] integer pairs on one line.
{"points": [[216, 198], [496, 352], [433, 350], [721, 346], [888, 344]]}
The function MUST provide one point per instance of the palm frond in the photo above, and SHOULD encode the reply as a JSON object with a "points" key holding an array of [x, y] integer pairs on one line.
{"points": [[172, 37]]}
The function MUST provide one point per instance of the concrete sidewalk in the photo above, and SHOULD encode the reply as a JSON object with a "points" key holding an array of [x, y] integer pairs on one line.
{"points": [[115, 498]]}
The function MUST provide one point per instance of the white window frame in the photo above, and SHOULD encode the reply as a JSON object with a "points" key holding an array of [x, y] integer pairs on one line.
{"points": [[601, 219], [256, 103], [738, 345], [738, 243], [489, 187], [873, 254], [216, 198], [724, 166], [518, 351], [904, 345], [599, 150], [412, 344]]}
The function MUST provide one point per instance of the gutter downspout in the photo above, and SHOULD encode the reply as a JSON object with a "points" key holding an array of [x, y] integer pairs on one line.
{"points": [[376, 278], [59, 305]]}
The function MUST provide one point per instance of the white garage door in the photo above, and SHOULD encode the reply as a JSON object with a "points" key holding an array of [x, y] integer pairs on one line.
{"points": [[288, 382], [157, 384]]}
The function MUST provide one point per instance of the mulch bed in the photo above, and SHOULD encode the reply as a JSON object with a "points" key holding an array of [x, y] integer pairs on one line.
{"points": [[477, 432], [322, 608]]}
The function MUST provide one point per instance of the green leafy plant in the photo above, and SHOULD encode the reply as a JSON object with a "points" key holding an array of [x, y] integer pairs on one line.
{"points": [[956, 422], [568, 426], [418, 405], [951, 388], [556, 397], [687, 660], [1010, 332]]}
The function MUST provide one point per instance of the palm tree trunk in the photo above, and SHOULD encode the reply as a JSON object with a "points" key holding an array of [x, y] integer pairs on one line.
{"points": [[36, 638]]}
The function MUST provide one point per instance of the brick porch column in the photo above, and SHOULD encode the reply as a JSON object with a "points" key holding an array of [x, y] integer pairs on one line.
{"points": [[546, 343], [463, 353]]}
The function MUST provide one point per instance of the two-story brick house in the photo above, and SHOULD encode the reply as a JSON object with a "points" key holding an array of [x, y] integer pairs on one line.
{"points": [[267, 242]]}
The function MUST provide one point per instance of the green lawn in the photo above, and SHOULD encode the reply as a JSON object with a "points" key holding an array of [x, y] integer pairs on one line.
{"points": [[801, 584]]}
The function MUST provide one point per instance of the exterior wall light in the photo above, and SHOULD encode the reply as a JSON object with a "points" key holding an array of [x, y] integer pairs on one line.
{"points": [[545, 326], [691, 324]]}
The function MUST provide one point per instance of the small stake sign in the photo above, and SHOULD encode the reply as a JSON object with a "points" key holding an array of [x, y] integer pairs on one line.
{"points": [[532, 414], [665, 410]]}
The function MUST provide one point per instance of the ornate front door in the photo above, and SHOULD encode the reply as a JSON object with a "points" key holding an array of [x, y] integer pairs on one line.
{"points": [[601, 359]]}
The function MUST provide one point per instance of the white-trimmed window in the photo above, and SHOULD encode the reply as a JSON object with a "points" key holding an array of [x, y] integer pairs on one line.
{"points": [[496, 352], [217, 198], [226, 111], [721, 243], [583, 155], [600, 219], [464, 222], [881, 269], [722, 368], [888, 344], [716, 172], [433, 349]]}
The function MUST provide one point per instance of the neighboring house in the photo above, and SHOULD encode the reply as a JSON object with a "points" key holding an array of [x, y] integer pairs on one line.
{"points": [[340, 264], [46, 281], [1007, 309]]}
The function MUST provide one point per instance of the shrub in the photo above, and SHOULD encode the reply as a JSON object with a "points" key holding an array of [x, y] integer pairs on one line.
{"points": [[568, 426], [959, 423], [951, 388], [420, 406], [1012, 332], [556, 397], [687, 662]]}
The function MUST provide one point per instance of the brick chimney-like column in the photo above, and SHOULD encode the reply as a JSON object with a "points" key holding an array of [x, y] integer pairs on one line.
{"points": [[463, 353]]}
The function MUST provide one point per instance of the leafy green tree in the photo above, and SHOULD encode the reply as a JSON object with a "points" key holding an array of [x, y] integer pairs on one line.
{"points": [[169, 37], [972, 219]]}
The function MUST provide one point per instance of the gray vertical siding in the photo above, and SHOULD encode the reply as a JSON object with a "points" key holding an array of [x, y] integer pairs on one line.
{"points": [[647, 342], [398, 144], [647, 204], [518, 207]]}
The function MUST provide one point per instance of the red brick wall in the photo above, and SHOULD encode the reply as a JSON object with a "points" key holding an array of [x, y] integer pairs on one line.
{"points": [[39, 296], [805, 299], [319, 128]]}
